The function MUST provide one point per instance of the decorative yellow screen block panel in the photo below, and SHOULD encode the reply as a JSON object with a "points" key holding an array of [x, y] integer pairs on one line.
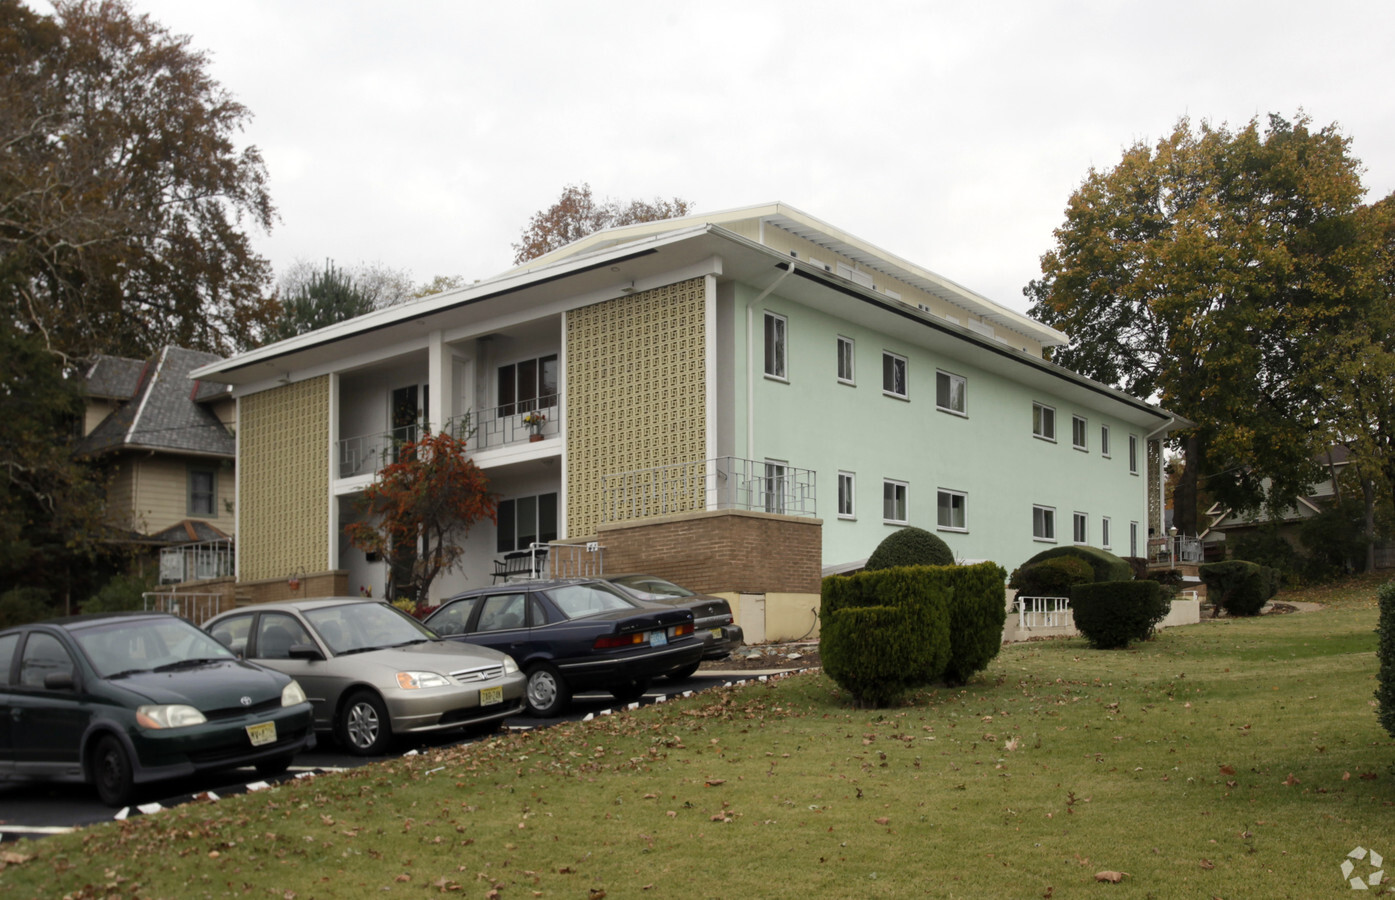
{"points": [[636, 390], [284, 481]]}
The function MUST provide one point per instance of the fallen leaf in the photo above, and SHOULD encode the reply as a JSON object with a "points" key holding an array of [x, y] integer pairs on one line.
{"points": [[1110, 877], [1207, 864], [1291, 781], [882, 820], [1227, 770]]}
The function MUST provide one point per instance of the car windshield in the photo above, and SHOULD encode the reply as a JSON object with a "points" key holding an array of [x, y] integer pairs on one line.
{"points": [[577, 600], [356, 627], [120, 647], [650, 588]]}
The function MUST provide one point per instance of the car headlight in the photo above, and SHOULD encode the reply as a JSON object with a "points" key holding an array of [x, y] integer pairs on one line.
{"points": [[411, 681], [173, 715], [292, 694], [510, 667]]}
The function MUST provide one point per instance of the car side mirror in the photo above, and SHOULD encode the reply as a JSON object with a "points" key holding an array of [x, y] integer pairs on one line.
{"points": [[59, 681], [305, 651]]}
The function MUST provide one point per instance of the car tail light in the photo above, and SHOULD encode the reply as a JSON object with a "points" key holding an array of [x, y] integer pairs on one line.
{"points": [[680, 630], [611, 641]]}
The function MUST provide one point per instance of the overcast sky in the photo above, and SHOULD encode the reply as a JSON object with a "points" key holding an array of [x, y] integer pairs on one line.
{"points": [[422, 135]]}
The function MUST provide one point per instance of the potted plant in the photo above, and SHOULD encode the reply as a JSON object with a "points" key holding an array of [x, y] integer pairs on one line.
{"points": [[534, 420]]}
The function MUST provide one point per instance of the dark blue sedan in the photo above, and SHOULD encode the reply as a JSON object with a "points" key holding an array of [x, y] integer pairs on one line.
{"points": [[572, 635]]}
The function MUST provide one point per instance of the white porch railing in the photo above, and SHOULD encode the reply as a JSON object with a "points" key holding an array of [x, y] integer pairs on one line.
{"points": [[727, 482], [1044, 612], [196, 562], [510, 424], [577, 560], [197, 608], [1175, 549], [368, 453]]}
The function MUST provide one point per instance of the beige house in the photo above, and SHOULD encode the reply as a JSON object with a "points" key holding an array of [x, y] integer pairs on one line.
{"points": [[167, 445]]}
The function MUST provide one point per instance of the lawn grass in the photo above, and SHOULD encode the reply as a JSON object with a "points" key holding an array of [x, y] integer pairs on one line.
{"points": [[1235, 758]]}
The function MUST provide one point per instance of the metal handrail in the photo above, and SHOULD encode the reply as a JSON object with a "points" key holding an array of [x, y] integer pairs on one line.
{"points": [[727, 482]]}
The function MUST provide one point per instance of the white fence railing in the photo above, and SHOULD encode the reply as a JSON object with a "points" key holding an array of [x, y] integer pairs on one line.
{"points": [[1176, 549], [577, 560], [727, 482], [1044, 612], [197, 608], [196, 562]]}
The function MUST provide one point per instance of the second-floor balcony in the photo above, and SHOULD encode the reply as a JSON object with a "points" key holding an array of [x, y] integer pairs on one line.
{"points": [[724, 483], [514, 423]]}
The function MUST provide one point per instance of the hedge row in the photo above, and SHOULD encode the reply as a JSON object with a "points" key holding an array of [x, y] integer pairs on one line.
{"points": [[887, 631], [1385, 657]]}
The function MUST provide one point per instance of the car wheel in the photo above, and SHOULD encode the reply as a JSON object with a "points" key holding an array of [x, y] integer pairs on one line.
{"points": [[269, 768], [630, 691], [364, 729], [548, 694], [684, 673], [111, 772]]}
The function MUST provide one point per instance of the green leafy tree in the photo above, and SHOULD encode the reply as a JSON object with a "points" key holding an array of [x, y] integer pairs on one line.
{"points": [[577, 214], [123, 193], [1199, 272], [322, 299], [419, 511]]}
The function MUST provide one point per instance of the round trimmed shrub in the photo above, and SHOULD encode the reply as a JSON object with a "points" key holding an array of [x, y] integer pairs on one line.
{"points": [[1105, 565], [1237, 586], [910, 546], [1051, 577], [1113, 614]]}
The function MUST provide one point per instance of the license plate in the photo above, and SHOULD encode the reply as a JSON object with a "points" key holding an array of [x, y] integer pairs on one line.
{"points": [[263, 733], [492, 695], [657, 638], [716, 634]]}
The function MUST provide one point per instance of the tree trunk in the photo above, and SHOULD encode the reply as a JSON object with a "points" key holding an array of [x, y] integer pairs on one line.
{"points": [[1368, 498], [1184, 512]]}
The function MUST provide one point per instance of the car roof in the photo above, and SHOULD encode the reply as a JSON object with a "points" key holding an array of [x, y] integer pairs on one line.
{"points": [[526, 585], [82, 620], [300, 605]]}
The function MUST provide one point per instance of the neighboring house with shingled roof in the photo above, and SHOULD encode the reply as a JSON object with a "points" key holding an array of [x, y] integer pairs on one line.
{"points": [[168, 447]]}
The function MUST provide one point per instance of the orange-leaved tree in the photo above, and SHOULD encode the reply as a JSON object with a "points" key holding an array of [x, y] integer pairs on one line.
{"points": [[419, 512]]}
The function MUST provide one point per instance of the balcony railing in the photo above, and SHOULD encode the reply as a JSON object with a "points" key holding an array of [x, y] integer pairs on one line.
{"points": [[366, 454], [1174, 549], [197, 608], [510, 423], [727, 482], [196, 562]]}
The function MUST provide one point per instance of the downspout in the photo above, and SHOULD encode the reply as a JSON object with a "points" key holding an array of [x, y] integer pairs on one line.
{"points": [[751, 360]]}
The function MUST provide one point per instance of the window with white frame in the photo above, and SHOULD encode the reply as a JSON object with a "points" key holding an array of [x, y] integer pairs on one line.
{"points": [[523, 521], [951, 510], [894, 374], [845, 360], [951, 393], [894, 510], [1104, 441], [776, 346], [1133, 539], [1104, 532], [1044, 523], [203, 491], [1133, 454], [1078, 427], [1043, 422], [523, 386], [1080, 528], [847, 494]]}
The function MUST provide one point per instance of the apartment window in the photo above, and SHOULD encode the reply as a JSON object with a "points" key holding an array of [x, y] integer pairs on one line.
{"points": [[526, 520], [1133, 539], [776, 328], [776, 485], [1043, 422], [894, 502], [845, 360], [950, 512], [950, 392], [528, 385], [1104, 532], [1104, 440], [1133, 454], [203, 492], [1078, 426], [847, 505], [1044, 523], [894, 375], [1080, 528]]}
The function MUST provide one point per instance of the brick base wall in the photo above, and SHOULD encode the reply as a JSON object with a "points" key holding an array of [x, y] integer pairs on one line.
{"points": [[721, 551], [276, 590]]}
